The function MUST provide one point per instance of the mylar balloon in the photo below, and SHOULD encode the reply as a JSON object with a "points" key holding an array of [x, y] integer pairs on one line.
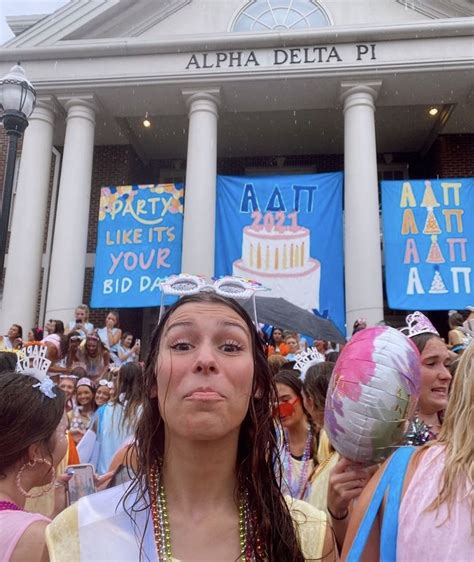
{"points": [[372, 394]]}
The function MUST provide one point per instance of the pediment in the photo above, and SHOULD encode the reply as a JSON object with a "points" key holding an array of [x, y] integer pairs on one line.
{"points": [[97, 19]]}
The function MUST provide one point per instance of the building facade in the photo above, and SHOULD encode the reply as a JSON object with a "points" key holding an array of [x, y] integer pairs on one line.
{"points": [[227, 87]]}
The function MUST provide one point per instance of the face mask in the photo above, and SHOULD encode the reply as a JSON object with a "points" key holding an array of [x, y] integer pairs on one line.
{"points": [[285, 409]]}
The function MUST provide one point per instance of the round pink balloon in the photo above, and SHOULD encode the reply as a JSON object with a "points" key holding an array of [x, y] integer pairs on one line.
{"points": [[372, 394]]}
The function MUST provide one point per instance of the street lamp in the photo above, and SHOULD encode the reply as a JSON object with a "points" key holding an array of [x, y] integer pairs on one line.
{"points": [[17, 100]]}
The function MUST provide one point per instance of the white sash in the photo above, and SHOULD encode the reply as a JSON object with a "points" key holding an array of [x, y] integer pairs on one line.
{"points": [[106, 532]]}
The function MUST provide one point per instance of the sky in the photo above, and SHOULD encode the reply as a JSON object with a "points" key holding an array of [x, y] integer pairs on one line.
{"points": [[21, 8]]}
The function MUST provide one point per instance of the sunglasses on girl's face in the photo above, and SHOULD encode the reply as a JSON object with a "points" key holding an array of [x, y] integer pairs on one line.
{"points": [[285, 409]]}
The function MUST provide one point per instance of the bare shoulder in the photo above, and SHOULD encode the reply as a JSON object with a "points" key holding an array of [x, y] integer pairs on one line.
{"points": [[32, 545]]}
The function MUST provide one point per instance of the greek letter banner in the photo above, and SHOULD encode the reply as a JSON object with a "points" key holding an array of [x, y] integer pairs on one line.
{"points": [[428, 228], [139, 242], [286, 233]]}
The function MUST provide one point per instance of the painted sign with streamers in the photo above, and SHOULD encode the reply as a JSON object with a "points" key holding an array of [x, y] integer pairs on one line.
{"points": [[286, 233], [428, 230], [139, 243]]}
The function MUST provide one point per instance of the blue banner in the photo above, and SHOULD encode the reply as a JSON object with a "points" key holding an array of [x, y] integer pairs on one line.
{"points": [[139, 242], [428, 229], [286, 233]]}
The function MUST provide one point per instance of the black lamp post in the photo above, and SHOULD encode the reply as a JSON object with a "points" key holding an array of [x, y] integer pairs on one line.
{"points": [[17, 100]]}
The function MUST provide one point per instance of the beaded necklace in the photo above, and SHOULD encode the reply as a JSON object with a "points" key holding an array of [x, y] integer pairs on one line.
{"points": [[161, 526], [7, 505], [297, 489]]}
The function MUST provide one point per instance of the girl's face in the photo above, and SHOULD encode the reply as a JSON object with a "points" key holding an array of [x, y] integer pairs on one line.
{"points": [[92, 345], [290, 408], [277, 336], [80, 314], [102, 395], [67, 386], [84, 395], [127, 342], [204, 372], [13, 332], [435, 377], [54, 453], [31, 336], [111, 320], [292, 344]]}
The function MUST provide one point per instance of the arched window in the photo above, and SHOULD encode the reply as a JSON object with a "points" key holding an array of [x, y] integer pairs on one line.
{"points": [[280, 15]]}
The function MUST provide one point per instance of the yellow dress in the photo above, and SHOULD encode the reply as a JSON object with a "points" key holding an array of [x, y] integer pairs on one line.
{"points": [[97, 528], [319, 480]]}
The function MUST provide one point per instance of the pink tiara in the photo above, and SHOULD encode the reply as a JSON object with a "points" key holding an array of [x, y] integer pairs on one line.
{"points": [[418, 323]]}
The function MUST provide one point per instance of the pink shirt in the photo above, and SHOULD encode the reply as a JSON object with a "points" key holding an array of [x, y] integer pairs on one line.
{"points": [[12, 525], [432, 535]]}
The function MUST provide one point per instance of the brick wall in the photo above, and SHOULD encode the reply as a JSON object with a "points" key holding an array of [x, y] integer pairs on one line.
{"points": [[450, 156]]}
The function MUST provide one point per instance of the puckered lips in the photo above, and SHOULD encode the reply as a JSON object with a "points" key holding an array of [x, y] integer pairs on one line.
{"points": [[204, 394]]}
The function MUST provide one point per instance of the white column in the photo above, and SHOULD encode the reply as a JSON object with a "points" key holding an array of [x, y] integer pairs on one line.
{"points": [[200, 194], [68, 259], [25, 252], [362, 251]]}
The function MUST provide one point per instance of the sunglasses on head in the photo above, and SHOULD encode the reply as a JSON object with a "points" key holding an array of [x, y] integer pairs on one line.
{"points": [[105, 382], [228, 286]]}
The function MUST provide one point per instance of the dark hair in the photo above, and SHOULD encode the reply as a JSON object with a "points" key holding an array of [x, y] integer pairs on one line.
{"points": [[257, 455], [37, 333], [316, 382], [20, 330], [291, 379], [455, 320], [131, 384], [272, 341], [116, 314], [422, 339], [332, 356], [8, 361], [27, 416], [79, 372], [126, 334], [91, 387], [63, 340]]}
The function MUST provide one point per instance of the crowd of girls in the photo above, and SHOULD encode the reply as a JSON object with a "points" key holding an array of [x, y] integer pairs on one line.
{"points": [[226, 457]]}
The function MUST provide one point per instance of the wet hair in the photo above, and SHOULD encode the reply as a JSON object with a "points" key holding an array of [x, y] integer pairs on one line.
{"points": [[27, 417], [257, 463], [316, 382]]}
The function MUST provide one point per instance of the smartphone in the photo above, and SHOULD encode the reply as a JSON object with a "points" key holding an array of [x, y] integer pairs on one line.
{"points": [[138, 341], [82, 482]]}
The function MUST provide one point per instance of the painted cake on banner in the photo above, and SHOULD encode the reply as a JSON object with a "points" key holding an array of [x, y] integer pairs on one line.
{"points": [[139, 242], [428, 231], [286, 233]]}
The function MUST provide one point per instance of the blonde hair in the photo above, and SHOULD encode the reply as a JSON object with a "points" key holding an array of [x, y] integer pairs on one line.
{"points": [[457, 435], [86, 309]]}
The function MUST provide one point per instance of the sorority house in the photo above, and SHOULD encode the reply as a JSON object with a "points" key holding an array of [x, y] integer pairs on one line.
{"points": [[148, 92]]}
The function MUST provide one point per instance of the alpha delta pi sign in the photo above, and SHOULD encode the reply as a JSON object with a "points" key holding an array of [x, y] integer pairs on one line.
{"points": [[428, 234]]}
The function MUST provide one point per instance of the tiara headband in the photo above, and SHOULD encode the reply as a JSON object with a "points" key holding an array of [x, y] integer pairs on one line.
{"points": [[85, 382], [306, 359], [418, 323], [228, 286], [32, 361]]}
